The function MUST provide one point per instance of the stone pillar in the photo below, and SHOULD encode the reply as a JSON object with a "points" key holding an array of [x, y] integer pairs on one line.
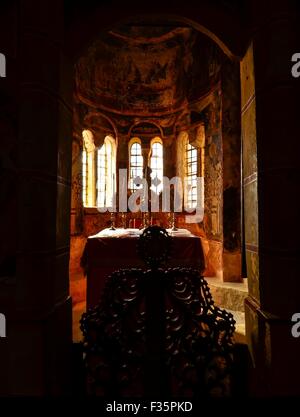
{"points": [[213, 189], [8, 185], [122, 158], [272, 241], [123, 152], [249, 150], [231, 139], [77, 241], [76, 195], [169, 157], [40, 323], [146, 150]]}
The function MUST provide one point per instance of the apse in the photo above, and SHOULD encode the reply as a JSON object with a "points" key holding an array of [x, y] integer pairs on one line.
{"points": [[161, 101]]}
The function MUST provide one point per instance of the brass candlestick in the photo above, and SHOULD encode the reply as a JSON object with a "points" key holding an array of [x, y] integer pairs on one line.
{"points": [[173, 222], [145, 220], [112, 221], [124, 220]]}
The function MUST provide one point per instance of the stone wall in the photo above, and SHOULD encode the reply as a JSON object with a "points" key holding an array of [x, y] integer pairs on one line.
{"points": [[37, 111], [231, 140], [221, 132], [213, 188]]}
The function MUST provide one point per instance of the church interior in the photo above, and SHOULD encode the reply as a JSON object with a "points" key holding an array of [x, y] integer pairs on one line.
{"points": [[98, 95]]}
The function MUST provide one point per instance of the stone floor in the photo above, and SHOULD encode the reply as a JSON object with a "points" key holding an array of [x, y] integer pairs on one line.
{"points": [[231, 296], [240, 333]]}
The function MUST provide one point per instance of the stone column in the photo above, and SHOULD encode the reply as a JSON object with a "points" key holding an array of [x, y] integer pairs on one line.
{"points": [[248, 117], [272, 241], [40, 323], [76, 195], [8, 186], [123, 152], [231, 139], [169, 156], [146, 150], [122, 158], [213, 178]]}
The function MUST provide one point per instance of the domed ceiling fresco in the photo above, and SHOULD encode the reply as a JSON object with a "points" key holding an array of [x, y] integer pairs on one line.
{"points": [[147, 70]]}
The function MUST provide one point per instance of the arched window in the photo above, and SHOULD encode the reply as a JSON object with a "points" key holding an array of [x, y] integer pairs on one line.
{"points": [[84, 178], [135, 162], [98, 171], [88, 169], [106, 173], [191, 161], [156, 164], [190, 165]]}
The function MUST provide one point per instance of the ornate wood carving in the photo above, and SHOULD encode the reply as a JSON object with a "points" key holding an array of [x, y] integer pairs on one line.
{"points": [[157, 331]]}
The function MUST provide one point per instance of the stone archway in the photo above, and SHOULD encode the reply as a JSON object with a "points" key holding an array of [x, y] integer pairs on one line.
{"points": [[230, 132], [45, 44], [39, 307], [271, 251], [218, 23], [228, 52]]}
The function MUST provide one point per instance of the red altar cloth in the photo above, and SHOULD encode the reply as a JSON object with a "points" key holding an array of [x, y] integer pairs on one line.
{"points": [[109, 251]]}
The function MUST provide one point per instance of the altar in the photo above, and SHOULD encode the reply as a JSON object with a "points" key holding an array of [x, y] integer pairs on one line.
{"points": [[110, 250]]}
